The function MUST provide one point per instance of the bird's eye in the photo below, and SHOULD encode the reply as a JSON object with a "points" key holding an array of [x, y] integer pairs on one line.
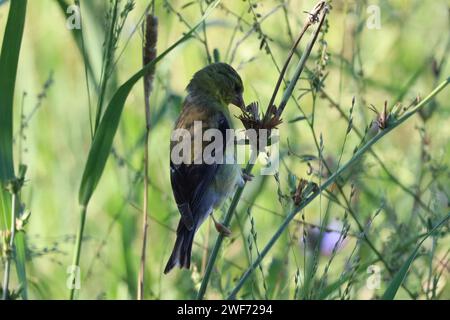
{"points": [[237, 88]]}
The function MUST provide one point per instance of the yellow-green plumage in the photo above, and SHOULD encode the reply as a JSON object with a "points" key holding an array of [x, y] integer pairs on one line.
{"points": [[200, 188]]}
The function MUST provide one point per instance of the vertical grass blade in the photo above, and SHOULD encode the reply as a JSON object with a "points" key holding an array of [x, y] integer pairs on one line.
{"points": [[400, 276], [77, 35], [9, 58], [21, 258]]}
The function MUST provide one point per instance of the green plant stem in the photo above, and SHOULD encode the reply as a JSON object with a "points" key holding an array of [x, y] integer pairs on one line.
{"points": [[286, 64], [10, 254], [87, 68], [150, 31], [330, 181], [218, 244], [301, 65], [77, 252], [376, 157]]}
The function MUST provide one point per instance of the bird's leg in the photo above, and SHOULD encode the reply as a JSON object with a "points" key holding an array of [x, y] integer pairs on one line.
{"points": [[221, 228]]}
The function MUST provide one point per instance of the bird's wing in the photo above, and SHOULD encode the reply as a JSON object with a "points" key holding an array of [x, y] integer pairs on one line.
{"points": [[190, 181]]}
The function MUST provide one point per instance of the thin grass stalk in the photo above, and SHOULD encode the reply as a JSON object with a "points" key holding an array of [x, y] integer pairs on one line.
{"points": [[87, 67], [308, 23], [150, 29], [253, 237], [375, 155], [108, 52], [10, 254], [301, 64], [205, 37], [218, 244], [366, 147], [320, 7], [78, 37], [77, 253]]}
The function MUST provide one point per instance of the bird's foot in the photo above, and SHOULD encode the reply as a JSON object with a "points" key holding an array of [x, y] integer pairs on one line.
{"points": [[221, 228], [247, 176]]}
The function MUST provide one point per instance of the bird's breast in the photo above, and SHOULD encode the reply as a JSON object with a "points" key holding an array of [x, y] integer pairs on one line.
{"points": [[227, 178]]}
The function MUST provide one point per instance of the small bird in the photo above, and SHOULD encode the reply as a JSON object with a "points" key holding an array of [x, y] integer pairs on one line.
{"points": [[198, 189]]}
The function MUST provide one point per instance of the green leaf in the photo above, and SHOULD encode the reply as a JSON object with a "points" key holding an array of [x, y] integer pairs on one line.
{"points": [[77, 35], [21, 258], [103, 138], [9, 58], [400, 276]]}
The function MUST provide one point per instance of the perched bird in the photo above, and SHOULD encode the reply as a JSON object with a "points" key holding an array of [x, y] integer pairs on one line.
{"points": [[200, 188]]}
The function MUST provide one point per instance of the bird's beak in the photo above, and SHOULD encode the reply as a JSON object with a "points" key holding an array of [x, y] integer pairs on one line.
{"points": [[238, 101]]}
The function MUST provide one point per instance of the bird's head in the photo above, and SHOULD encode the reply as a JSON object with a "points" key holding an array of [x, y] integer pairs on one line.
{"points": [[218, 81]]}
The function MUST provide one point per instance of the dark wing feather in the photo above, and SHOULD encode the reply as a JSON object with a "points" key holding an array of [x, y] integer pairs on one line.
{"points": [[190, 181]]}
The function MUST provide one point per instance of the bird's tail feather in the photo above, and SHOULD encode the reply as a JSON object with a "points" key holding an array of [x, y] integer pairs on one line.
{"points": [[181, 254]]}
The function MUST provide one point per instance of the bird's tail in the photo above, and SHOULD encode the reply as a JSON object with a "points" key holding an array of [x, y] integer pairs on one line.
{"points": [[181, 254]]}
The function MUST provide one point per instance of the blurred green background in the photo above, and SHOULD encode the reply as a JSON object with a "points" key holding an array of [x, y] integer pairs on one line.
{"points": [[373, 65]]}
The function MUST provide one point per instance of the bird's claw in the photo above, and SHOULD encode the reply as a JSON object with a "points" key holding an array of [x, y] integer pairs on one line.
{"points": [[222, 229], [247, 176]]}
